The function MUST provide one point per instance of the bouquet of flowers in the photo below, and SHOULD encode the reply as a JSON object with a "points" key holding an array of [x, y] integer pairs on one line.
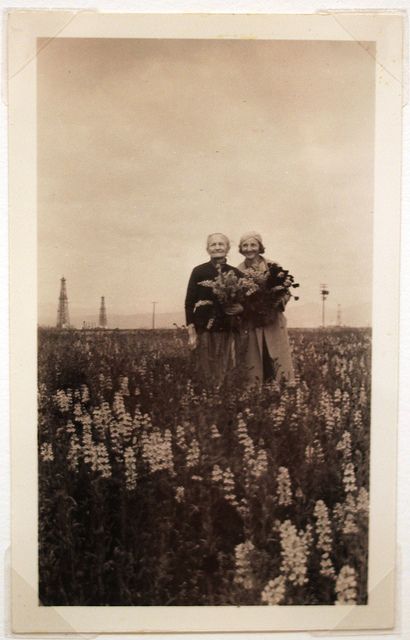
{"points": [[267, 292], [280, 281], [259, 294], [229, 293], [227, 287]]}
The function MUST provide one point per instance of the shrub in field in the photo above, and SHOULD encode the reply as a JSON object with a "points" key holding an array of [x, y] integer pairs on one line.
{"points": [[155, 491]]}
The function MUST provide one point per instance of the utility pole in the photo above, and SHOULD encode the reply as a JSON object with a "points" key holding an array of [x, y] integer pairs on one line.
{"points": [[339, 315], [324, 292], [154, 302]]}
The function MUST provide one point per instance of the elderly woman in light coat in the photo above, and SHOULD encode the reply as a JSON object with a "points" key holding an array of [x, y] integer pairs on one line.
{"points": [[267, 353]]}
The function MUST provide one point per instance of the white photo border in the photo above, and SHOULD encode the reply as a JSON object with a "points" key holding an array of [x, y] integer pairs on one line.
{"points": [[24, 28]]}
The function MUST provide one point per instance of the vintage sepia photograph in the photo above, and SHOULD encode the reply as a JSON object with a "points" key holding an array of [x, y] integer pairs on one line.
{"points": [[216, 457], [205, 295]]}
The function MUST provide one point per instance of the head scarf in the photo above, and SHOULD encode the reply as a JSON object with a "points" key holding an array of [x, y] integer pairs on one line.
{"points": [[249, 235]]}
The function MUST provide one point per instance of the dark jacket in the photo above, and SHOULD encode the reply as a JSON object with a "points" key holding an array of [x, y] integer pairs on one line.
{"points": [[201, 315]]}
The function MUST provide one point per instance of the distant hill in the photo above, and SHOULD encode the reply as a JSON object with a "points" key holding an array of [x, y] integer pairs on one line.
{"points": [[298, 315], [136, 320], [310, 315]]}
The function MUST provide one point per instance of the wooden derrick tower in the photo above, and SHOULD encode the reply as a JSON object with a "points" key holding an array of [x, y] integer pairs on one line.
{"points": [[102, 322], [63, 320]]}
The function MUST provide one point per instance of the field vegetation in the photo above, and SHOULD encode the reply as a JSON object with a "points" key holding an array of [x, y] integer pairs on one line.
{"points": [[155, 491]]}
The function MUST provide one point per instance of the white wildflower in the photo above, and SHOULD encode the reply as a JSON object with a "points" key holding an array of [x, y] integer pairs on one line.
{"points": [[323, 529], [121, 427], [326, 566], [228, 484], [260, 465], [345, 403], [324, 534], [46, 452], [278, 414], [89, 451], [217, 473], [345, 446], [357, 419], [245, 440], [74, 453], [102, 419], [350, 503], [70, 428], [295, 552], [124, 389], [349, 478], [78, 412], [193, 454], [103, 465], [63, 400], [338, 514], [130, 469], [157, 451], [243, 568], [284, 487], [138, 420], [85, 393], [363, 396], [346, 584], [314, 452], [180, 437], [362, 503], [214, 432], [349, 525], [274, 592]]}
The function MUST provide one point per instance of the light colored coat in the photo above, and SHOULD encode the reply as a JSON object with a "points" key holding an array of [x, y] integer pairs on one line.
{"points": [[275, 337]]}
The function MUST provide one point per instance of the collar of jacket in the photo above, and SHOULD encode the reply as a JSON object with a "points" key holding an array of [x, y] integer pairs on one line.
{"points": [[215, 262]]}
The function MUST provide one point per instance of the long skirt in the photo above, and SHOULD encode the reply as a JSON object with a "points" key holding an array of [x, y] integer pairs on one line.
{"points": [[215, 355], [267, 352]]}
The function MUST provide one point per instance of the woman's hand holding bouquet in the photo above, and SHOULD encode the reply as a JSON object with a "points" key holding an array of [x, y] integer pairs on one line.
{"points": [[233, 308]]}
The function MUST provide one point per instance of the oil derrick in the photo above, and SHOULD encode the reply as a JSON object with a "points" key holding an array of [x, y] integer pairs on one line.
{"points": [[339, 316], [102, 322], [63, 320]]}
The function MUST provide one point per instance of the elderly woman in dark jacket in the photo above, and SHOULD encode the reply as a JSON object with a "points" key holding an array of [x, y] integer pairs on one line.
{"points": [[209, 324]]}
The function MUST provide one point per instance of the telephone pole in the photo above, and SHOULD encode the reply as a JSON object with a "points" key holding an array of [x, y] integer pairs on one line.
{"points": [[324, 292]]}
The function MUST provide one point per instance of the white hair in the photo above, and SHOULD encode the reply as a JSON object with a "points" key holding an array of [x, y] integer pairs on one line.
{"points": [[211, 235]]}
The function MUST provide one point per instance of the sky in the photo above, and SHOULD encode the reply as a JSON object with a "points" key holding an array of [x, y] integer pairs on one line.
{"points": [[146, 146]]}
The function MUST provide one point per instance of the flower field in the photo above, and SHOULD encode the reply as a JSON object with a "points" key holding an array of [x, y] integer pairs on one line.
{"points": [[154, 491]]}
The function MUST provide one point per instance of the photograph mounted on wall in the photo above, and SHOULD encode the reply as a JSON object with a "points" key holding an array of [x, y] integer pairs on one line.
{"points": [[210, 333]]}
